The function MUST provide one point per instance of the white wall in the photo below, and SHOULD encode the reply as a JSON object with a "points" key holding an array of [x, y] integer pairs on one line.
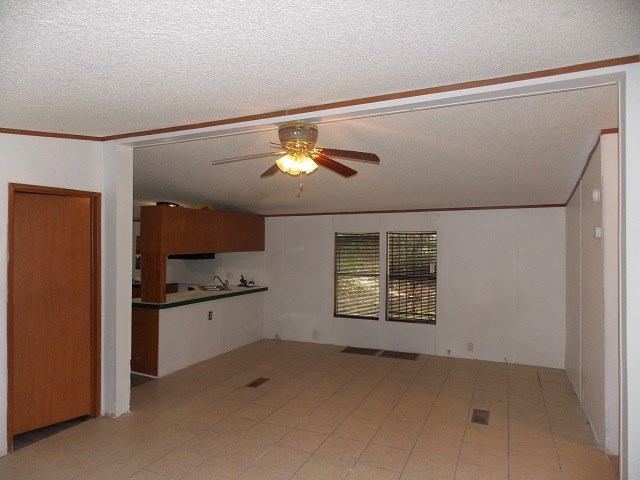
{"points": [[572, 349], [611, 239], [592, 353], [117, 205], [39, 161], [501, 284], [630, 272], [187, 336]]}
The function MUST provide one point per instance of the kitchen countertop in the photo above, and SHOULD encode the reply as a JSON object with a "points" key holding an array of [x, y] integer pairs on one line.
{"points": [[196, 296]]}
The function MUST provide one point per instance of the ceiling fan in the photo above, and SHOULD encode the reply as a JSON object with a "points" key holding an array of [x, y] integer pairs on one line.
{"points": [[298, 154]]}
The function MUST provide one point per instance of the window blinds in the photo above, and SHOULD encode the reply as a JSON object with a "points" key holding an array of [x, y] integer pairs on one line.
{"points": [[357, 275], [412, 272]]}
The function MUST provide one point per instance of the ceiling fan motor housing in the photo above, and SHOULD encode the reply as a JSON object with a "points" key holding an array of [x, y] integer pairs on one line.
{"points": [[298, 135]]}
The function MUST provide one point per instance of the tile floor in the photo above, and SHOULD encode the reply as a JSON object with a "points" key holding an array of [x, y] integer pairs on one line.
{"points": [[330, 415]]}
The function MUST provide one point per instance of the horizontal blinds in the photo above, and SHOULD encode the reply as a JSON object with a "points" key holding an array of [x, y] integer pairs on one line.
{"points": [[412, 273], [357, 282]]}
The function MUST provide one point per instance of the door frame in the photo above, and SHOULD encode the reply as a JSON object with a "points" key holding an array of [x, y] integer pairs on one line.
{"points": [[95, 289]]}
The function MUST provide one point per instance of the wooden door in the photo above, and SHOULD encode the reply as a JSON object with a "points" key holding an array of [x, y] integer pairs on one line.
{"points": [[53, 308]]}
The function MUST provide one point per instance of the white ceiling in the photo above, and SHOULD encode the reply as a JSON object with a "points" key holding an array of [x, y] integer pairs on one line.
{"points": [[521, 151], [104, 67], [101, 67]]}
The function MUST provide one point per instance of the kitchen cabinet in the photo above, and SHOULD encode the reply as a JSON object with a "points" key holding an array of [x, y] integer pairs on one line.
{"points": [[168, 231]]}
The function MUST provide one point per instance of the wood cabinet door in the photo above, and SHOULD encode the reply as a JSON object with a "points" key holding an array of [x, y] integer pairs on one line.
{"points": [[51, 310]]}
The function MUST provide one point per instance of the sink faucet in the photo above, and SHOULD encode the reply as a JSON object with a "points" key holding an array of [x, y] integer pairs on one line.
{"points": [[224, 284]]}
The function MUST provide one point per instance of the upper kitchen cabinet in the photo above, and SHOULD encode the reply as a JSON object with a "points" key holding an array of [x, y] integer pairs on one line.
{"points": [[169, 231]]}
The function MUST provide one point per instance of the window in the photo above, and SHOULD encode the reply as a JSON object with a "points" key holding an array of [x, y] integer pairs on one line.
{"points": [[411, 277], [357, 275]]}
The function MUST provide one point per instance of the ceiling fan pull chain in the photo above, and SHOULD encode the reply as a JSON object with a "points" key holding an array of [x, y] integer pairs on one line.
{"points": [[299, 189]]}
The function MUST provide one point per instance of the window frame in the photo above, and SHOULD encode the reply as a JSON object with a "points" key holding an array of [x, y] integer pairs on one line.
{"points": [[335, 277], [387, 275]]}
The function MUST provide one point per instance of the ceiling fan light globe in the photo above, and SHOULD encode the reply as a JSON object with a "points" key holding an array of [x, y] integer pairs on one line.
{"points": [[298, 135], [295, 164], [288, 164], [307, 165]]}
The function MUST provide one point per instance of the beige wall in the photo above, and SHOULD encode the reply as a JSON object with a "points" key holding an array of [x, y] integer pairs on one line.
{"points": [[591, 353], [501, 282]]}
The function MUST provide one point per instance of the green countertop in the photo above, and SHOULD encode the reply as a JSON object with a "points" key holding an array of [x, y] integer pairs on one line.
{"points": [[195, 296]]}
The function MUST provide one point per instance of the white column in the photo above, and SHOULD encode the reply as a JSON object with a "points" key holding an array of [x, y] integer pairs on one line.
{"points": [[630, 243], [117, 211]]}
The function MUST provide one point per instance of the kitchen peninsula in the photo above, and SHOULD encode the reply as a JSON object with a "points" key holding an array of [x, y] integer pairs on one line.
{"points": [[190, 327], [171, 331]]}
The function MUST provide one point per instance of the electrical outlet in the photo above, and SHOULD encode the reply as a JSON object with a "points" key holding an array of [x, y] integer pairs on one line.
{"points": [[210, 315], [469, 346], [315, 334]]}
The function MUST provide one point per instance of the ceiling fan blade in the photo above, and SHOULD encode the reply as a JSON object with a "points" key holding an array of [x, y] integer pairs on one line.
{"points": [[337, 167], [353, 155], [270, 171], [246, 157]]}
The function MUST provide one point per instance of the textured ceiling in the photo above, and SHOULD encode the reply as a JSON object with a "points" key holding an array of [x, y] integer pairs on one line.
{"points": [[519, 151], [100, 67]]}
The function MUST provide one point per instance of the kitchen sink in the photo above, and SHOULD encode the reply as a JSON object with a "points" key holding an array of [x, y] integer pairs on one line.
{"points": [[212, 288]]}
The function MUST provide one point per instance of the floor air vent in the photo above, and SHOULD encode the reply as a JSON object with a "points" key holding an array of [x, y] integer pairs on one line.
{"points": [[361, 351], [400, 355], [257, 382], [480, 416]]}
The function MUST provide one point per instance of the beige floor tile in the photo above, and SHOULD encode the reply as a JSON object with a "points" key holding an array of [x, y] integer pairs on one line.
{"points": [[203, 418], [342, 448], [487, 454], [483, 434], [524, 466], [430, 445], [60, 464], [255, 412], [209, 443], [267, 432], [282, 460], [319, 467], [217, 468], [578, 433], [223, 406], [147, 475], [320, 423], [233, 426], [245, 451], [109, 470], [542, 445], [587, 458], [177, 463], [384, 457], [254, 473], [303, 440], [144, 453], [469, 471], [361, 471], [289, 417], [394, 406], [9, 472], [431, 467], [572, 471], [357, 430]]}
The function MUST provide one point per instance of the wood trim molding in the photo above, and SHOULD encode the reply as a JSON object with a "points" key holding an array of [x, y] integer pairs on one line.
{"points": [[419, 210], [347, 103], [35, 133], [604, 131], [96, 301]]}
